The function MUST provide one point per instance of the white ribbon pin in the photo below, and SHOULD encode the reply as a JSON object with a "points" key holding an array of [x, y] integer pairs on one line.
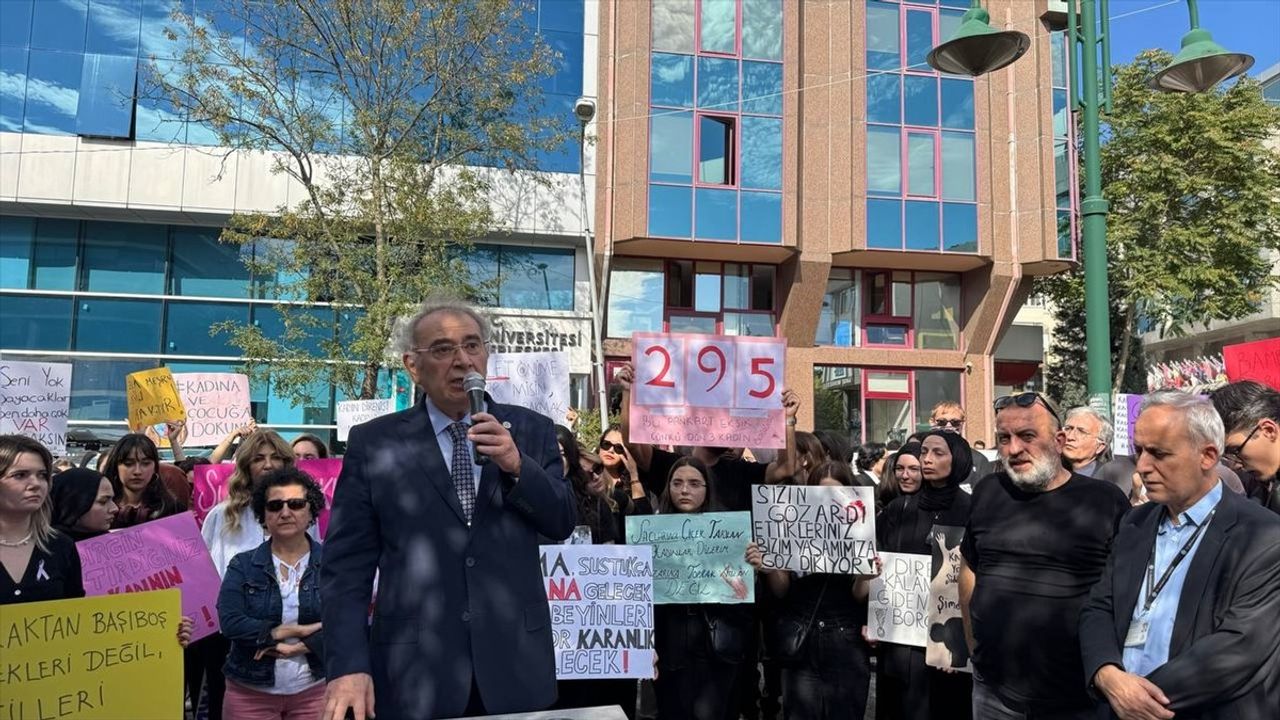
{"points": [[40, 573]]}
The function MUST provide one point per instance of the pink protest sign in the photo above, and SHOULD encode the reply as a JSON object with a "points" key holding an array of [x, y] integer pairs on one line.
{"points": [[157, 555], [713, 390], [210, 486], [1258, 361]]}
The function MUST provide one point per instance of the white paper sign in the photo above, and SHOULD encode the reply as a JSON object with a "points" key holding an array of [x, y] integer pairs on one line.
{"points": [[35, 400], [815, 529], [898, 606], [217, 404], [538, 381], [601, 600], [354, 412]]}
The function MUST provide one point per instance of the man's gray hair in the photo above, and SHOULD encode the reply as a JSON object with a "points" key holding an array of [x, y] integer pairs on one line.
{"points": [[1105, 430], [1204, 425], [452, 305]]}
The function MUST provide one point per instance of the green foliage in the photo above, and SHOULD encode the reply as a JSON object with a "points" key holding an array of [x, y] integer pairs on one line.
{"points": [[381, 113], [588, 427], [1195, 203]]}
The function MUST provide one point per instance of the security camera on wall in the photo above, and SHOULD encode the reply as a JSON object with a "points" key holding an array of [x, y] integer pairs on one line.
{"points": [[584, 109]]}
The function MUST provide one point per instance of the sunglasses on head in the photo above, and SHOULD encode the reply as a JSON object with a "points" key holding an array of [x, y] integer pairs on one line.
{"points": [[613, 447], [1026, 400], [294, 504]]}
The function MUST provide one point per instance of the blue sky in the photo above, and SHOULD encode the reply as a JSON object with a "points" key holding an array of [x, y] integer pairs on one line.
{"points": [[1250, 26]]}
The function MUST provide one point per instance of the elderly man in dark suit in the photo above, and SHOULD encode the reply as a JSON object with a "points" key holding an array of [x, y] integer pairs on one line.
{"points": [[1184, 622], [461, 625]]}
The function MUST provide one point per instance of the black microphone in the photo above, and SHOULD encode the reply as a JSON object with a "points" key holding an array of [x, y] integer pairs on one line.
{"points": [[473, 385]]}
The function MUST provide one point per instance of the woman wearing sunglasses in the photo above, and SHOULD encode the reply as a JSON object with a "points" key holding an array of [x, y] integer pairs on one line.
{"points": [[621, 480], [269, 607]]}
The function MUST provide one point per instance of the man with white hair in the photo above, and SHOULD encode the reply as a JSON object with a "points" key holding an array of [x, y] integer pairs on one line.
{"points": [[1087, 442], [1183, 622], [1037, 539]]}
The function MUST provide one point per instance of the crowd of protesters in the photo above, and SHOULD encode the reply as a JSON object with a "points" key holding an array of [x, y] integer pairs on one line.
{"points": [[1147, 584]]}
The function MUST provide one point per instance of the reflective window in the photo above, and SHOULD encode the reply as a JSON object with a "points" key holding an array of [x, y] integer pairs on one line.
{"points": [[123, 326], [762, 29], [285, 282], [763, 284], [957, 104], [884, 98], [567, 75], [921, 105], [15, 22], [762, 153], [53, 91], [156, 24], [884, 224], [35, 322], [635, 296], [707, 284], [761, 217], [836, 321], [205, 267], [680, 283], [1061, 173], [960, 227], [1065, 238], [54, 258], [536, 278], [114, 26], [762, 88], [562, 15], [921, 168], [715, 150], [681, 323], [671, 80], [106, 96], [13, 86], [671, 147], [717, 214], [124, 257], [882, 334], [306, 329], [17, 236], [936, 317], [884, 40], [958, 168], [97, 387], [737, 287], [156, 117], [922, 225], [481, 262], [749, 324], [670, 211], [188, 328], [673, 25], [718, 84], [719, 26], [919, 39], [59, 25], [949, 22], [1060, 112], [884, 162], [932, 387]]}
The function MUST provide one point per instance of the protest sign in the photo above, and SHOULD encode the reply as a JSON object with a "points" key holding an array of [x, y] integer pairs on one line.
{"points": [[209, 486], [216, 404], [697, 557], [153, 398], [101, 658], [35, 398], [1258, 361], [815, 529], [601, 600], [712, 390], [946, 647], [157, 555], [898, 605], [536, 380], [1124, 415], [354, 412]]}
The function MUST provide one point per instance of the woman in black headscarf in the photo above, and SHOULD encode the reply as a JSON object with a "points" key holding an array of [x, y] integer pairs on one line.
{"points": [[83, 503], [906, 688]]}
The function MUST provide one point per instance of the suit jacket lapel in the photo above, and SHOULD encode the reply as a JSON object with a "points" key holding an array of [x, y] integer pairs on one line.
{"points": [[1130, 570], [490, 474], [1199, 572], [418, 433]]}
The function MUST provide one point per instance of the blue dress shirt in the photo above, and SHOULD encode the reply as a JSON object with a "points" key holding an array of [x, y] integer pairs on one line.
{"points": [[1164, 611], [440, 424]]}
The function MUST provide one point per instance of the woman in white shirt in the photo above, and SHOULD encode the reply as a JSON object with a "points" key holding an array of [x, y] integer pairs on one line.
{"points": [[269, 607]]}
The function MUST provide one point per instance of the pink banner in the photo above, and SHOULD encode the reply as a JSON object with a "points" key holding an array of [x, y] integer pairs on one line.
{"points": [[1258, 361], [210, 486], [709, 390], [157, 555]]}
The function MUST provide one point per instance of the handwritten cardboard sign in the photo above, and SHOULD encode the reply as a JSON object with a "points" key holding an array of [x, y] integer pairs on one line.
{"points": [[153, 398], [1124, 416], [898, 606], [697, 557], [601, 599], [713, 390], [353, 412], [815, 529], [216, 404], [538, 381], [157, 555], [35, 399], [946, 646], [99, 658], [1258, 361], [209, 486]]}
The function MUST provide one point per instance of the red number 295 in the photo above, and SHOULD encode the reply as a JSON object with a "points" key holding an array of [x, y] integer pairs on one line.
{"points": [[661, 379]]}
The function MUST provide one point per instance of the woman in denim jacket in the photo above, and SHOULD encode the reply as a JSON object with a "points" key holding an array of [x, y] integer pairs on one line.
{"points": [[269, 607]]}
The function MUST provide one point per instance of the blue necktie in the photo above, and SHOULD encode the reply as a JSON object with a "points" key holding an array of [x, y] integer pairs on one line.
{"points": [[464, 481]]}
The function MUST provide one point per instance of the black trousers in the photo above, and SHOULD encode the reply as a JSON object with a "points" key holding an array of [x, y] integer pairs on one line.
{"points": [[831, 678], [202, 668]]}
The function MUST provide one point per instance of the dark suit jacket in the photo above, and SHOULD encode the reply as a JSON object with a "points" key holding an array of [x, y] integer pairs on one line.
{"points": [[1224, 656], [453, 602]]}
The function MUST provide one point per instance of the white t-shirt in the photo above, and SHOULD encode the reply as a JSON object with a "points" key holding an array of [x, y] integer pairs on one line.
{"points": [[293, 674]]}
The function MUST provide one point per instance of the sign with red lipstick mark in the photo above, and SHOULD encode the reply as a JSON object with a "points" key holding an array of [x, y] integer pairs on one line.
{"points": [[815, 529]]}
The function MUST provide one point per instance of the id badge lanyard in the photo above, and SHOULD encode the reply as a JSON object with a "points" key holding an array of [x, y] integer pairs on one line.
{"points": [[1137, 636]]}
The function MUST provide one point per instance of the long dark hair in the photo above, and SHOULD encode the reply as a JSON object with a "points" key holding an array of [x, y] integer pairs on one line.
{"points": [[588, 504], [157, 501], [709, 504], [834, 469]]}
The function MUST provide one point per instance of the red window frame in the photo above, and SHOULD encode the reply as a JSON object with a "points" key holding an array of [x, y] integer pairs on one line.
{"points": [[669, 310]]}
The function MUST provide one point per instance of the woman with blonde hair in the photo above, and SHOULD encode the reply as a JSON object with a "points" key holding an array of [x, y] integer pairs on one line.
{"points": [[36, 562]]}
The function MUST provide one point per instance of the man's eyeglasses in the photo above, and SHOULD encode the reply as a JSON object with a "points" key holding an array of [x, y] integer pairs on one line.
{"points": [[1026, 400], [446, 351], [295, 504], [1232, 454], [956, 423]]}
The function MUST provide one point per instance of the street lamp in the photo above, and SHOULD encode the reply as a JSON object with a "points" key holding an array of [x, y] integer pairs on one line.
{"points": [[976, 48]]}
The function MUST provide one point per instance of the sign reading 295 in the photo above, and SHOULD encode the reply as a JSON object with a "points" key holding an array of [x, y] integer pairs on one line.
{"points": [[709, 371]]}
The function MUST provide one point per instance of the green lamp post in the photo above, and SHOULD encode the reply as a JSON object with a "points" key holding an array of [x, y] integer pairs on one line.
{"points": [[977, 48]]}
